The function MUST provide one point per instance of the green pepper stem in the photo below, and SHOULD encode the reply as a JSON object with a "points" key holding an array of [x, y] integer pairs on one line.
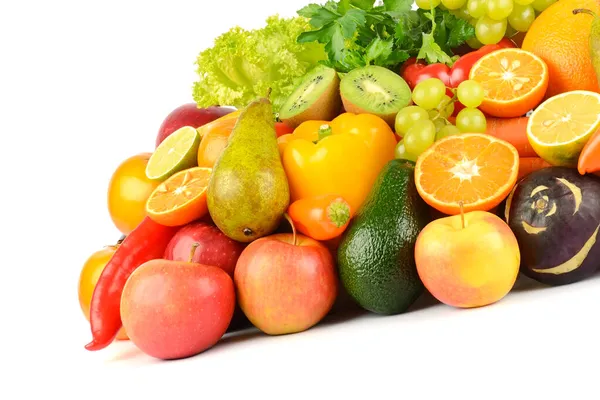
{"points": [[338, 213], [193, 251], [324, 131]]}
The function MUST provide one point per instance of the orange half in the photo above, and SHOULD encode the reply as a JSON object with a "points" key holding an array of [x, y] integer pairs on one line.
{"points": [[180, 199], [514, 82], [476, 169]]}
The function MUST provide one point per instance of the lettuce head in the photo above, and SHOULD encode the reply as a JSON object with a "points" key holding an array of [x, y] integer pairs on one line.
{"points": [[243, 64]]}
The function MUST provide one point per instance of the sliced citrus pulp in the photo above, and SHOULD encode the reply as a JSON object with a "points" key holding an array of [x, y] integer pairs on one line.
{"points": [[177, 152], [181, 198], [474, 169], [514, 82], [561, 126]]}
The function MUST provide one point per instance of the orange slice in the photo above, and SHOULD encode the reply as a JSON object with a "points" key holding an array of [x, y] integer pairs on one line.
{"points": [[514, 82], [476, 169], [180, 199]]}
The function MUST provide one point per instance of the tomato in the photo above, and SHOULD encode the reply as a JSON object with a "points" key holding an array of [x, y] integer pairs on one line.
{"points": [[281, 128], [323, 217], [416, 72], [88, 278], [128, 192]]}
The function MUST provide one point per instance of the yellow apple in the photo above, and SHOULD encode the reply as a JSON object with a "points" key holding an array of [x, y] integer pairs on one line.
{"points": [[468, 260]]}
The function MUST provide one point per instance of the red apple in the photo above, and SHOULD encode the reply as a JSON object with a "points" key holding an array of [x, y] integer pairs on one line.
{"points": [[174, 309], [214, 247], [189, 115], [285, 283]]}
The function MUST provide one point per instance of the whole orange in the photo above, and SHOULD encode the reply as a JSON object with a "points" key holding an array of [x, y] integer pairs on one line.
{"points": [[128, 192], [560, 38], [90, 273]]}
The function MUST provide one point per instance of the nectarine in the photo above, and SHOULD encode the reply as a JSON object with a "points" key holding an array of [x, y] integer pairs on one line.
{"points": [[468, 260]]}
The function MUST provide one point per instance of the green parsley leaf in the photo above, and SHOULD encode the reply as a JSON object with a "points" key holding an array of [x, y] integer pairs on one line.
{"points": [[398, 5], [350, 21]]}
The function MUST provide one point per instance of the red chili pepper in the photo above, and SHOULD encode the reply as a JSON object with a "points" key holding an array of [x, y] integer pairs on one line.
{"points": [[589, 159], [146, 242]]}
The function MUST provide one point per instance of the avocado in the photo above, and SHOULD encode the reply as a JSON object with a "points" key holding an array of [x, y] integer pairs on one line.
{"points": [[376, 254]]}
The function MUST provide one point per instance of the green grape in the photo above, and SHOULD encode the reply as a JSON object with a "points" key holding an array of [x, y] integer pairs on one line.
{"points": [[541, 5], [499, 9], [521, 18], [453, 4], [407, 117], [419, 137], [427, 4], [428, 93], [477, 8], [470, 93], [523, 2], [448, 130], [462, 13], [445, 107], [489, 31], [401, 153], [474, 43], [471, 120], [439, 123]]}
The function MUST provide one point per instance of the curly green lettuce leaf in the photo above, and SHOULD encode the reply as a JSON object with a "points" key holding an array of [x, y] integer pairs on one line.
{"points": [[243, 64]]}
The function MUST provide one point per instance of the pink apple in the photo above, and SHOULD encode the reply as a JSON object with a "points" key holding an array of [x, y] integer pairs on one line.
{"points": [[189, 115], [286, 286], [177, 309], [214, 247]]}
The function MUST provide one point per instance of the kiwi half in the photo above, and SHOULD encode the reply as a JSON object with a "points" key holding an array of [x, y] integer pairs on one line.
{"points": [[375, 90], [317, 97]]}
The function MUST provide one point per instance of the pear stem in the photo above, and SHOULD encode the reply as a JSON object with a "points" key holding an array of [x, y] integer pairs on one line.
{"points": [[584, 11], [269, 90], [193, 251], [289, 219], [462, 214]]}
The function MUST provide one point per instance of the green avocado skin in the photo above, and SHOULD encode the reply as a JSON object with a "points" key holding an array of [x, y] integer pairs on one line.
{"points": [[376, 254]]}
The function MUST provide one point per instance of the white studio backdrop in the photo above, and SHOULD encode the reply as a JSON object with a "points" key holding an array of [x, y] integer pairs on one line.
{"points": [[84, 85]]}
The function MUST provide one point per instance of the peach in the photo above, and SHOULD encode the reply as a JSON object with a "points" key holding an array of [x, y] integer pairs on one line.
{"points": [[468, 260]]}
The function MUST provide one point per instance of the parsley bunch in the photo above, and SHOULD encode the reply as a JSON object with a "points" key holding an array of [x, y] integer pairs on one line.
{"points": [[357, 33]]}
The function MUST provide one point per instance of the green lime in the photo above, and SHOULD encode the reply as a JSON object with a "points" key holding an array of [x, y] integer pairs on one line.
{"points": [[177, 152]]}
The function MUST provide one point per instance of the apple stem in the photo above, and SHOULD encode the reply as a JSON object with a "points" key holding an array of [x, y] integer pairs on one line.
{"points": [[289, 219], [121, 239], [193, 251], [462, 213]]}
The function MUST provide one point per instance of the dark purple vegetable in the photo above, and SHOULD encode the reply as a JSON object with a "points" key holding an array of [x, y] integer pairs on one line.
{"points": [[555, 215]]}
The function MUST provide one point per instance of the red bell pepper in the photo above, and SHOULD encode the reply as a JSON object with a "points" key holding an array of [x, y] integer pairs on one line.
{"points": [[414, 71]]}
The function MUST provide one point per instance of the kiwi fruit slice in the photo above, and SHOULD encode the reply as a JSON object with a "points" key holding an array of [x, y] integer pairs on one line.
{"points": [[375, 90], [317, 97]]}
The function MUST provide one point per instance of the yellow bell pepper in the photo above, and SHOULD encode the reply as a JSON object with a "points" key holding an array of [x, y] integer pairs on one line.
{"points": [[341, 157]]}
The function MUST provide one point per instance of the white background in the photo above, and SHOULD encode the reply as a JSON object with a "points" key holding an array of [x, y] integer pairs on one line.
{"points": [[84, 85]]}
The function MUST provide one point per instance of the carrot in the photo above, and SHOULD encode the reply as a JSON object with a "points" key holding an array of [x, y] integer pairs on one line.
{"points": [[512, 130], [528, 165]]}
